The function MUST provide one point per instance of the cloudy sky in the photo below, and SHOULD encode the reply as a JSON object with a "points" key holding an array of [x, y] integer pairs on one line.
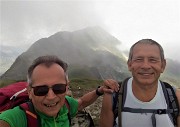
{"points": [[24, 22]]}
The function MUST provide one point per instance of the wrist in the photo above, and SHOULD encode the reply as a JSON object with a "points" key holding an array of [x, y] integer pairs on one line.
{"points": [[98, 91]]}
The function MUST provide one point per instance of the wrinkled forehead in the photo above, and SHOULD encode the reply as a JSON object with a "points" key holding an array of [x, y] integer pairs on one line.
{"points": [[146, 49], [53, 72], [142, 46], [48, 67]]}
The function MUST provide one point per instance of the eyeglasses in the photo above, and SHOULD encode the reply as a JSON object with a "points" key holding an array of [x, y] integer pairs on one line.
{"points": [[43, 90]]}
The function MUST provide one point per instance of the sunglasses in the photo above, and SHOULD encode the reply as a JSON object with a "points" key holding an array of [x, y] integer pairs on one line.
{"points": [[43, 90]]}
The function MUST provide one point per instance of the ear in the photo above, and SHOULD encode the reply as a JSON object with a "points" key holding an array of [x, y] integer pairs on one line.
{"points": [[29, 90], [68, 82], [67, 87], [129, 63], [163, 66]]}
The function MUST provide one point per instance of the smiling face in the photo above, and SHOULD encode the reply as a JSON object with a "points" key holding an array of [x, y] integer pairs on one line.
{"points": [[51, 103], [146, 64]]}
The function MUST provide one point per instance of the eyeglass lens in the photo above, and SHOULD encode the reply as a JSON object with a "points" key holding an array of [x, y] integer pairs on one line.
{"points": [[43, 90]]}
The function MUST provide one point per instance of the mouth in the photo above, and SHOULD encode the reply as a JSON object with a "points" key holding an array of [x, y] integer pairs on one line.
{"points": [[51, 105], [145, 74]]}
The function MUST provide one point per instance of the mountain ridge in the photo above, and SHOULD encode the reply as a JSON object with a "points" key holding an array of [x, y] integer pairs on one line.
{"points": [[80, 48], [90, 53]]}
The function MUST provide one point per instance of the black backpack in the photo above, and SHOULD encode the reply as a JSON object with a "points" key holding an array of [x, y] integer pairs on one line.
{"points": [[170, 97]]}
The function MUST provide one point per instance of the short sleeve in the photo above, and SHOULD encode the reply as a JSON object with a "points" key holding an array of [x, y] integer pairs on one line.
{"points": [[14, 117]]}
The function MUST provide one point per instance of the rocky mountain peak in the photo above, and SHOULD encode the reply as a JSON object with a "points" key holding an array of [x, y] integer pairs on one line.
{"points": [[91, 50]]}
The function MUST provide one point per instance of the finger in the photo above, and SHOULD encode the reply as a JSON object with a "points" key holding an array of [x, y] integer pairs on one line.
{"points": [[109, 84], [109, 91], [112, 84]]}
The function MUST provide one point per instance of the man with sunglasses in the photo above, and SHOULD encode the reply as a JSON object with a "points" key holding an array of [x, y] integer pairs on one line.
{"points": [[48, 83]]}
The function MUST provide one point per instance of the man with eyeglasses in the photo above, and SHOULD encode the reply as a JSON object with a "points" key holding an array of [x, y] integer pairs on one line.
{"points": [[48, 83]]}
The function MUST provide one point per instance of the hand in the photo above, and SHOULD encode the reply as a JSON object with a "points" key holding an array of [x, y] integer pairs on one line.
{"points": [[109, 86]]}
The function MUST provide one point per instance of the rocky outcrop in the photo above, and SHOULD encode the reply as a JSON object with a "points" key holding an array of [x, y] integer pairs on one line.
{"points": [[94, 110]]}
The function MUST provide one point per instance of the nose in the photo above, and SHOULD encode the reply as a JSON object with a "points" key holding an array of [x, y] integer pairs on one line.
{"points": [[50, 94], [145, 64]]}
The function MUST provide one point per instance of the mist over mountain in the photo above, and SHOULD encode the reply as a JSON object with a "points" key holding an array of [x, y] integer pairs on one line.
{"points": [[8, 55], [172, 72], [90, 53]]}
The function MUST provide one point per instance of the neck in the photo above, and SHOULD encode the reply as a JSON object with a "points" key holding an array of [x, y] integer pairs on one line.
{"points": [[144, 93]]}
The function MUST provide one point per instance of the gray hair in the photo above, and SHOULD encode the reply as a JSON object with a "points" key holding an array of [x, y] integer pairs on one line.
{"points": [[47, 60], [146, 41]]}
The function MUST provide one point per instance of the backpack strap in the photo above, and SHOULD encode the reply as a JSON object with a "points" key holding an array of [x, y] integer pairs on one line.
{"points": [[115, 104], [172, 106], [32, 119], [118, 101], [153, 111], [170, 97], [121, 100], [171, 100]]}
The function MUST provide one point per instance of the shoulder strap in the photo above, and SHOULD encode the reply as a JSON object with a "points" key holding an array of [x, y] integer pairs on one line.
{"points": [[115, 103], [118, 100], [171, 100], [32, 119], [121, 100], [68, 107]]}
